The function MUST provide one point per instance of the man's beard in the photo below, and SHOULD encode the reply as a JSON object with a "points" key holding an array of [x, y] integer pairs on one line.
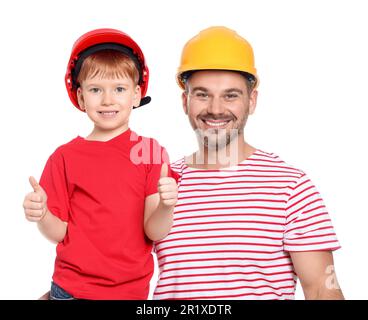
{"points": [[217, 139]]}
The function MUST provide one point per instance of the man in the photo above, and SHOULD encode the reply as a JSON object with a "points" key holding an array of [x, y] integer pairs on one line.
{"points": [[246, 223]]}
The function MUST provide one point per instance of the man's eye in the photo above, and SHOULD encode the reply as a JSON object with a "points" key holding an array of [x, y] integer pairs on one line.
{"points": [[201, 95], [231, 96]]}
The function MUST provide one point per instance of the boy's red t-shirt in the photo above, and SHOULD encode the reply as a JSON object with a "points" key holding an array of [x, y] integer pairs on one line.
{"points": [[99, 189]]}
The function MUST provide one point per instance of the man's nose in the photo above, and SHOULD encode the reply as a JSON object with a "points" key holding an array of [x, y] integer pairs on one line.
{"points": [[215, 106]]}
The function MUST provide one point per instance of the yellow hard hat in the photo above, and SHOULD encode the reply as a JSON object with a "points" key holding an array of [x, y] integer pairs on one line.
{"points": [[217, 48]]}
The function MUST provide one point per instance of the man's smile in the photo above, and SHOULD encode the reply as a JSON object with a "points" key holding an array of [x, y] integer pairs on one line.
{"points": [[215, 123]]}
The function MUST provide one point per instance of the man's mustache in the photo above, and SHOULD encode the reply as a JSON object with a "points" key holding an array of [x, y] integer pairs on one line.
{"points": [[216, 117]]}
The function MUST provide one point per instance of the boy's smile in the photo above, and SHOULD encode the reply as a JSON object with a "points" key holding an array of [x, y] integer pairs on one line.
{"points": [[108, 114]]}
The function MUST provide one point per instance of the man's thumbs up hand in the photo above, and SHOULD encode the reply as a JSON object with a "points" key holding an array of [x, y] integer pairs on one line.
{"points": [[35, 203], [167, 188]]}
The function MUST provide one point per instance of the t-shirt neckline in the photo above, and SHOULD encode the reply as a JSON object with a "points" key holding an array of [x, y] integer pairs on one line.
{"points": [[120, 137]]}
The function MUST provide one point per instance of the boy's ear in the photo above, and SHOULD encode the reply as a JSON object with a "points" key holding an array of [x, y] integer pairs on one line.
{"points": [[137, 96], [80, 99]]}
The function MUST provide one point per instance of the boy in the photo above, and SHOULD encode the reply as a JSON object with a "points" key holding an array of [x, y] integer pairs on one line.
{"points": [[96, 198]]}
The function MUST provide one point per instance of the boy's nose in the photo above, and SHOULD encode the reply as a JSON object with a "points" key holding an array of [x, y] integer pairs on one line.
{"points": [[107, 99]]}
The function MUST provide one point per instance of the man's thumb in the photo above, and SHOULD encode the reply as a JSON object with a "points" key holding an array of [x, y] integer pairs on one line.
{"points": [[164, 170], [35, 185]]}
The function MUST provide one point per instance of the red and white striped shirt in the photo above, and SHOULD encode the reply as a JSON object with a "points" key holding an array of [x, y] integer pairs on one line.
{"points": [[233, 228]]}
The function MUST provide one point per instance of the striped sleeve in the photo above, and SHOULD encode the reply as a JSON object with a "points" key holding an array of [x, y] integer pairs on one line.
{"points": [[308, 224]]}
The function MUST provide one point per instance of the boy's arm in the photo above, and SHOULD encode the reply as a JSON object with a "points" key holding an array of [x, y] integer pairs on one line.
{"points": [[35, 209], [52, 227], [159, 207]]}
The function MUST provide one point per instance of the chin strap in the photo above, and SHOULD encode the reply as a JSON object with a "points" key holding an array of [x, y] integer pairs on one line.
{"points": [[144, 101]]}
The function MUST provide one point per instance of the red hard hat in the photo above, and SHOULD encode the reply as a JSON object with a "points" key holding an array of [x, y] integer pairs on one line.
{"points": [[103, 39]]}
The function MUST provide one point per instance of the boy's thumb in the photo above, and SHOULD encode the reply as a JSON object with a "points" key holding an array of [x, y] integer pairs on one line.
{"points": [[35, 185], [164, 170]]}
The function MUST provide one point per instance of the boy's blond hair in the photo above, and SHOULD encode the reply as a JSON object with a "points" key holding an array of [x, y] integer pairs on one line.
{"points": [[109, 64]]}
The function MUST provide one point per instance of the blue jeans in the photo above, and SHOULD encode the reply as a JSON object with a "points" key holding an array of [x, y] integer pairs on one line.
{"points": [[58, 293]]}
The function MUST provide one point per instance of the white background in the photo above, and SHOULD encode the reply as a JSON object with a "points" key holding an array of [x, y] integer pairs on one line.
{"points": [[312, 107]]}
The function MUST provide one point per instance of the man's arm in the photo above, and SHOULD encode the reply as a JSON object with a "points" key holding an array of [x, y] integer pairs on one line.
{"points": [[315, 270]]}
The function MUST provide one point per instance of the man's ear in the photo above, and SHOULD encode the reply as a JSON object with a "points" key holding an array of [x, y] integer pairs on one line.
{"points": [[253, 101], [80, 99], [137, 96], [184, 99]]}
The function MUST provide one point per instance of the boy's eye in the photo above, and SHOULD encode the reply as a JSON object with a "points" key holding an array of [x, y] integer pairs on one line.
{"points": [[94, 90], [120, 89]]}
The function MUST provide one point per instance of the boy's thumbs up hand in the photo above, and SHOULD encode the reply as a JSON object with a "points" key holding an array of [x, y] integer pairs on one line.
{"points": [[35, 203], [164, 170], [35, 185], [167, 188]]}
